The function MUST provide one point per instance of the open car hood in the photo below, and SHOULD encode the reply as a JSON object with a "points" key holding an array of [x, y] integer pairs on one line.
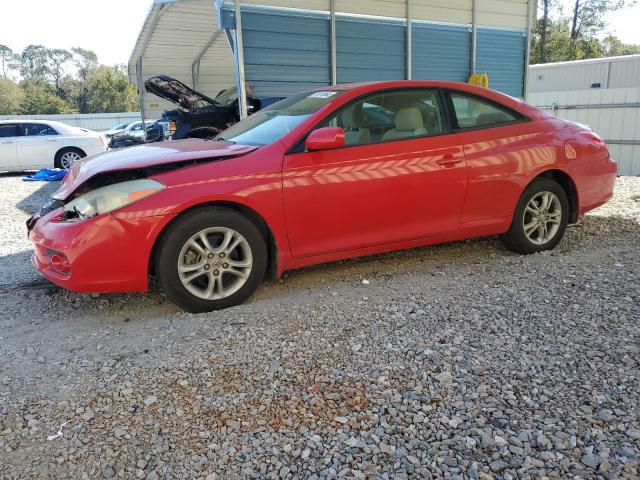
{"points": [[134, 159], [176, 92]]}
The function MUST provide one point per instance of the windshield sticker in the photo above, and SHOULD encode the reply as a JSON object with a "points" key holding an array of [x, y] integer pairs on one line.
{"points": [[322, 94]]}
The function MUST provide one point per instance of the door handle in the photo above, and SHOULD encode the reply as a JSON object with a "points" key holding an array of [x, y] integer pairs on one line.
{"points": [[51, 139], [449, 161], [6, 142]]}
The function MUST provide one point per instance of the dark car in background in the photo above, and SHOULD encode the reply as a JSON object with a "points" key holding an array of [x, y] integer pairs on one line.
{"points": [[197, 115]]}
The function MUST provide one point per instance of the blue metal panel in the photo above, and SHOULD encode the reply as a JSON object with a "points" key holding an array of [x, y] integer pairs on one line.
{"points": [[500, 53], [370, 49], [440, 52], [285, 52]]}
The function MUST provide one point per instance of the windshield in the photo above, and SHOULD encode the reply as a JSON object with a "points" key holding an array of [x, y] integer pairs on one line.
{"points": [[274, 122]]}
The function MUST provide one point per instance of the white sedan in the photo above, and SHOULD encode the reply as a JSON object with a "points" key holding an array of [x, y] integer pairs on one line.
{"points": [[36, 144]]}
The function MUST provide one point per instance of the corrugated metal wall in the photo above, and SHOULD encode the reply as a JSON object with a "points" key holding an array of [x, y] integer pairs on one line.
{"points": [[499, 13], [441, 52], [450, 11], [500, 53], [182, 31], [612, 113], [285, 52], [503, 13], [90, 121], [216, 68], [613, 72], [369, 49]]}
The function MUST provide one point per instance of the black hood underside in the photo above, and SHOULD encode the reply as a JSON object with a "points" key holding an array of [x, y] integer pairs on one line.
{"points": [[176, 92]]}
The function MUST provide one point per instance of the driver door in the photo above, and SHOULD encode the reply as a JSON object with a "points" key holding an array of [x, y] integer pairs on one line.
{"points": [[395, 180], [37, 146]]}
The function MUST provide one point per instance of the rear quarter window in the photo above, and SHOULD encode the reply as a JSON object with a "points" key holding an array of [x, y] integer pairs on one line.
{"points": [[475, 112]]}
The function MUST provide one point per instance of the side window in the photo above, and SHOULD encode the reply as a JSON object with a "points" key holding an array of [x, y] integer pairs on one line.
{"points": [[8, 130], [136, 127], [32, 129], [393, 115], [474, 112]]}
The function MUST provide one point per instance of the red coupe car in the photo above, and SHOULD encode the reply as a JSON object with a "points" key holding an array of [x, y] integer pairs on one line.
{"points": [[323, 175]]}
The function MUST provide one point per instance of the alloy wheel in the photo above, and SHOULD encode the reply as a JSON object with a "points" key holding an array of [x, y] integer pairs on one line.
{"points": [[542, 217], [215, 263], [69, 158]]}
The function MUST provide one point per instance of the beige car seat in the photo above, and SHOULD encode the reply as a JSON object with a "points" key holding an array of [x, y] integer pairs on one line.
{"points": [[409, 123], [355, 133]]}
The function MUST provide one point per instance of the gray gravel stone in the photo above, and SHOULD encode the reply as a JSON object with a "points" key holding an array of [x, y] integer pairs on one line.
{"points": [[456, 361]]}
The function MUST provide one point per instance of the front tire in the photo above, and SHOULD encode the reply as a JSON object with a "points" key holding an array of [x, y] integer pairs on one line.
{"points": [[211, 258], [540, 219]]}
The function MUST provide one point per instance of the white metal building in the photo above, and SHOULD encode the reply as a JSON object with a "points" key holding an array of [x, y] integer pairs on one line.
{"points": [[603, 93], [284, 46]]}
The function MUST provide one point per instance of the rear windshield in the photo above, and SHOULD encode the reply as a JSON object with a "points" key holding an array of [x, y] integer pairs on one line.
{"points": [[274, 122]]}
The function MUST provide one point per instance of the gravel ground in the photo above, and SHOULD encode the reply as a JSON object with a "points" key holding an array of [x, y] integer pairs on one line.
{"points": [[456, 361]]}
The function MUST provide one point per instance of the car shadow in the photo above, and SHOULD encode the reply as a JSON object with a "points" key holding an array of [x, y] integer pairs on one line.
{"points": [[591, 236], [32, 202]]}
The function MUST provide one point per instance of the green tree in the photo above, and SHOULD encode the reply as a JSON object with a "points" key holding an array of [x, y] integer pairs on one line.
{"points": [[33, 64], [587, 17], [57, 59], [11, 97], [612, 47], [69, 89], [85, 61], [6, 57], [40, 100], [543, 25], [108, 90], [560, 47]]}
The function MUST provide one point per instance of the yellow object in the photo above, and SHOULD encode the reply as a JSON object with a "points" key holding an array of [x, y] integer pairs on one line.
{"points": [[479, 79]]}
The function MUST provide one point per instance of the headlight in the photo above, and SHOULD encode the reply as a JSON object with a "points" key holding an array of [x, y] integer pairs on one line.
{"points": [[110, 198]]}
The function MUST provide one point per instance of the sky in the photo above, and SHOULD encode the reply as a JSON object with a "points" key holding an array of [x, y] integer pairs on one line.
{"points": [[623, 23], [111, 27], [108, 27]]}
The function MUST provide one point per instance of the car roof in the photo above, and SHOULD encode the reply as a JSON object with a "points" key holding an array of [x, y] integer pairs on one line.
{"points": [[36, 120], [359, 88]]}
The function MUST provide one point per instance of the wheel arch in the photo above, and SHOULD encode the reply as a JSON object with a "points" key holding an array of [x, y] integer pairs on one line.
{"points": [[250, 213], [67, 148], [569, 186]]}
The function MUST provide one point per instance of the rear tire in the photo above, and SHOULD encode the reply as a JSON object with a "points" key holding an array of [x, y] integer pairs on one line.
{"points": [[211, 258], [66, 156], [540, 219]]}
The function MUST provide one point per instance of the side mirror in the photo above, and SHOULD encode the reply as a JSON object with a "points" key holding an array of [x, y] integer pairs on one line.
{"points": [[325, 138]]}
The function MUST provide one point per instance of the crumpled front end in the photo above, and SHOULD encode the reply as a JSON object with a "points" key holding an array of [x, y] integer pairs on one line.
{"points": [[108, 253]]}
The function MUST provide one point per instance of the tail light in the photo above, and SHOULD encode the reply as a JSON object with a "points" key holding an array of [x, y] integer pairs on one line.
{"points": [[593, 138], [172, 128]]}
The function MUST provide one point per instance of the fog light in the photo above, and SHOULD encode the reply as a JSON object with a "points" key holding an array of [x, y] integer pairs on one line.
{"points": [[60, 263]]}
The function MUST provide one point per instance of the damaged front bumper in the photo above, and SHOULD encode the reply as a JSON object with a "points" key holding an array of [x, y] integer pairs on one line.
{"points": [[105, 254]]}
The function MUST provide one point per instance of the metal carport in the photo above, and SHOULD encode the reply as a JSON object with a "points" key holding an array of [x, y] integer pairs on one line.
{"points": [[289, 46], [181, 39]]}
